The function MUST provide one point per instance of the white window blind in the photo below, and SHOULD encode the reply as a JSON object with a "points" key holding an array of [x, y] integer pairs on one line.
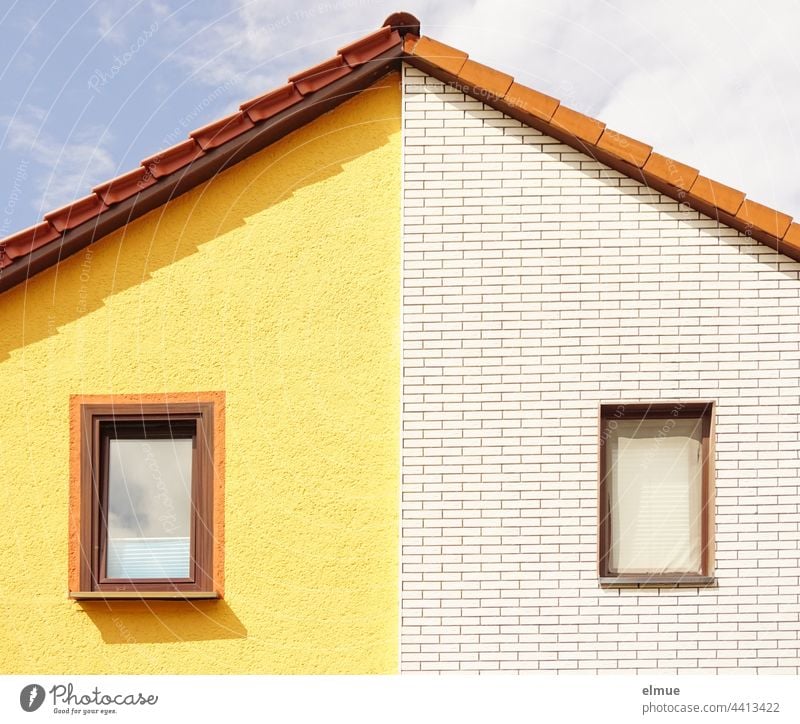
{"points": [[655, 470]]}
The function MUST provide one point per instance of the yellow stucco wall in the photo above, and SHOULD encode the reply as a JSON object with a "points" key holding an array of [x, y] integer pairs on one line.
{"points": [[277, 283]]}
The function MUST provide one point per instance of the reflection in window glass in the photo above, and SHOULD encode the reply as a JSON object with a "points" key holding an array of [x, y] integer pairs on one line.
{"points": [[149, 508]]}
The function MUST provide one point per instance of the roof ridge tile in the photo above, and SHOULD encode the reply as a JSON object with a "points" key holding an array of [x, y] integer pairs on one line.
{"points": [[172, 159], [765, 218], [409, 43], [76, 212], [124, 186], [271, 103], [672, 172], [792, 236], [487, 79], [577, 124], [319, 75], [365, 49], [624, 147], [26, 241], [531, 101], [723, 197], [220, 131], [443, 56]]}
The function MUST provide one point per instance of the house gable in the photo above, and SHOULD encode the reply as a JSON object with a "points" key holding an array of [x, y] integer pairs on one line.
{"points": [[539, 284], [277, 284]]}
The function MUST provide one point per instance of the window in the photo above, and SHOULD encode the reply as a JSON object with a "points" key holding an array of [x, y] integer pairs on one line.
{"points": [[655, 509], [149, 500]]}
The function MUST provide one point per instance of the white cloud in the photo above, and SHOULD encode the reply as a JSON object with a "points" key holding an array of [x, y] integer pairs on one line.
{"points": [[712, 84], [67, 168]]}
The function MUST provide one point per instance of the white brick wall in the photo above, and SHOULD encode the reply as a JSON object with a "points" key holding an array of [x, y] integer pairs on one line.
{"points": [[538, 283]]}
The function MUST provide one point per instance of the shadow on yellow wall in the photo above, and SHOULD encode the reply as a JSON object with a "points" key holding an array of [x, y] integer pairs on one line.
{"points": [[305, 158], [135, 622]]}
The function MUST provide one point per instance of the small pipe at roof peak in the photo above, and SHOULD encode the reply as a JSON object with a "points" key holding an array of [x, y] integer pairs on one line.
{"points": [[403, 23]]}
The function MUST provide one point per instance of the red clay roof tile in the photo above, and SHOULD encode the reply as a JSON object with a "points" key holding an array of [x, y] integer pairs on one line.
{"points": [[409, 43], [219, 132], [670, 171], [576, 124], [718, 195], [25, 241], [441, 55], [76, 213], [270, 104], [531, 101], [484, 78], [320, 75], [764, 218], [625, 148], [367, 48], [124, 186], [790, 244], [792, 235], [173, 158]]}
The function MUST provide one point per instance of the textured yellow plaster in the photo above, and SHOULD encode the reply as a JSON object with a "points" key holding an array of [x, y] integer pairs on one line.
{"points": [[278, 283]]}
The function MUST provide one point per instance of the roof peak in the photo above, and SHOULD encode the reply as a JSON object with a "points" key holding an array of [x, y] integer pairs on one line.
{"points": [[403, 23], [313, 91]]}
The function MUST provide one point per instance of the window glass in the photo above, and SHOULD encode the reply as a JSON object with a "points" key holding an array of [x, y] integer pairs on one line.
{"points": [[149, 508], [655, 469]]}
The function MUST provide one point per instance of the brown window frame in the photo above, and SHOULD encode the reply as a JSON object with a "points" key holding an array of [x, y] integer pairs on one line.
{"points": [[702, 409], [100, 422]]}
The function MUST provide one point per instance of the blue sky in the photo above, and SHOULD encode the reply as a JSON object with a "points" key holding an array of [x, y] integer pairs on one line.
{"points": [[90, 88]]}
